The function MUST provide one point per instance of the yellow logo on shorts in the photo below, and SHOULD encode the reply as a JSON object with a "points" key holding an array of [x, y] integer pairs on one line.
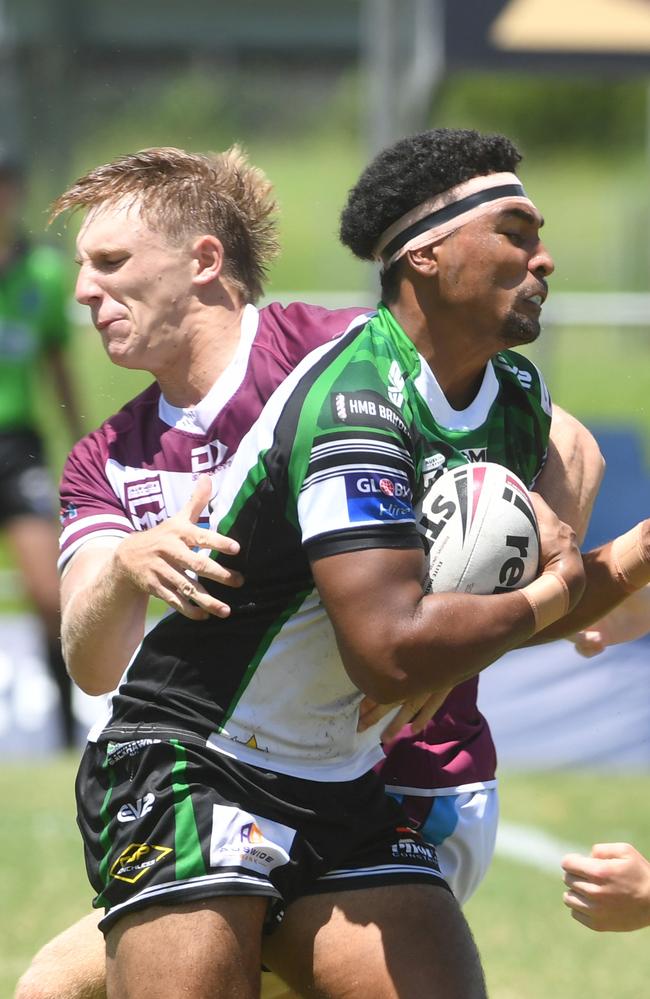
{"points": [[137, 860]]}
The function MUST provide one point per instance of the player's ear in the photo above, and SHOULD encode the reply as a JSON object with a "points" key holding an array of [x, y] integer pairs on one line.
{"points": [[207, 258], [424, 260]]}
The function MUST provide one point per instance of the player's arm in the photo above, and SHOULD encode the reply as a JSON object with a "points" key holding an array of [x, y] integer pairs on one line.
{"points": [[630, 620], [573, 472], [569, 483], [397, 643], [106, 589], [613, 571]]}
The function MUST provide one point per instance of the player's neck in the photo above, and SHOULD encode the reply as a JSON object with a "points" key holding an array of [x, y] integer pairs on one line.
{"points": [[209, 347], [457, 359]]}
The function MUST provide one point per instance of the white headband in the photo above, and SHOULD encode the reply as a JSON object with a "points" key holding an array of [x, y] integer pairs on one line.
{"points": [[444, 213]]}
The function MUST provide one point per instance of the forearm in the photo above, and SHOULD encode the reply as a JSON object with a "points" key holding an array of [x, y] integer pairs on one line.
{"points": [[444, 640], [105, 594], [103, 623], [397, 643], [612, 572]]}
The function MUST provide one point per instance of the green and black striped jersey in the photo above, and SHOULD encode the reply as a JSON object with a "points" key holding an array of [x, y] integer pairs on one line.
{"points": [[338, 461]]}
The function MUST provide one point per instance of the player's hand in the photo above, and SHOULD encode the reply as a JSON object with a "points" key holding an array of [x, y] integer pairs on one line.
{"points": [[165, 560], [416, 712], [628, 621], [559, 552], [609, 890]]}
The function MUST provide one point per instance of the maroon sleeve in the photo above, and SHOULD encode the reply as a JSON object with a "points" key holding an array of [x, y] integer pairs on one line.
{"points": [[90, 506]]}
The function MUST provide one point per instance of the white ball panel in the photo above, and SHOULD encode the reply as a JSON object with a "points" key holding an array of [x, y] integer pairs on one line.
{"points": [[480, 527]]}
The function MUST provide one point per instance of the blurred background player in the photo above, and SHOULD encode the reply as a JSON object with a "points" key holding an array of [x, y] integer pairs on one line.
{"points": [[34, 333]]}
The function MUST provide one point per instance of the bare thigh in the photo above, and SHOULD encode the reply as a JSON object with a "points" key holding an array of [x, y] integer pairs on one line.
{"points": [[393, 942], [206, 950], [71, 966]]}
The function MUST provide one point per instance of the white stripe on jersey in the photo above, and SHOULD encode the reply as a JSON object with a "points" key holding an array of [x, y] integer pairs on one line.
{"points": [[326, 448], [441, 792], [88, 539], [85, 522]]}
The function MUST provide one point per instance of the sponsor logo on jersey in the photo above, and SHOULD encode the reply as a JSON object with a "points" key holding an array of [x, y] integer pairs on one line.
{"points": [[374, 496], [68, 512], [135, 810], [250, 743], [137, 860], [116, 751], [145, 502], [240, 839], [207, 457], [524, 377], [396, 385], [368, 409], [475, 453], [433, 462]]}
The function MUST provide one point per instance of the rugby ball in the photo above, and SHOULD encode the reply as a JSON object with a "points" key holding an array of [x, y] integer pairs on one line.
{"points": [[479, 530]]}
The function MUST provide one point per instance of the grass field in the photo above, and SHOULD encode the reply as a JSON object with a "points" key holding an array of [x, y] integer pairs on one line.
{"points": [[531, 948]]}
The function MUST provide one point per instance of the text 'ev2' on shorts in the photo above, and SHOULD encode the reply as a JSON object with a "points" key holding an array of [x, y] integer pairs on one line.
{"points": [[168, 822]]}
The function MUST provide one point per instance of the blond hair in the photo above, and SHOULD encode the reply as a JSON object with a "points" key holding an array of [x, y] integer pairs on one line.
{"points": [[183, 194]]}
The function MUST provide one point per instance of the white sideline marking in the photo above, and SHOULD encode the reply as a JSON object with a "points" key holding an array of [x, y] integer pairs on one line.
{"points": [[532, 846]]}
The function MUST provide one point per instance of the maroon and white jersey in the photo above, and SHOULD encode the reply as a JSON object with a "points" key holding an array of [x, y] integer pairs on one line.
{"points": [[140, 467]]}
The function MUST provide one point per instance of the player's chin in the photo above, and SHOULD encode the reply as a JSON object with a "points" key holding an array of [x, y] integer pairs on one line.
{"points": [[518, 329], [120, 355]]}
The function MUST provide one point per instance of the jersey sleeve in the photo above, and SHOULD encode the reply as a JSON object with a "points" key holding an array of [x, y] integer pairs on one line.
{"points": [[355, 484], [90, 508]]}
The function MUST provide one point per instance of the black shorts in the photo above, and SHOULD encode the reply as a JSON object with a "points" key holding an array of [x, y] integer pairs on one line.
{"points": [[165, 822], [26, 488]]}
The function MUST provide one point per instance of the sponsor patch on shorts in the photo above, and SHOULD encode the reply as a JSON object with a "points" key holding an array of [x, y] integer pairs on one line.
{"points": [[411, 846], [240, 839], [138, 860]]}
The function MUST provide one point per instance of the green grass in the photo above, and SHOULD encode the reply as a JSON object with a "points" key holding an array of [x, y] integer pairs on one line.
{"points": [[530, 946]]}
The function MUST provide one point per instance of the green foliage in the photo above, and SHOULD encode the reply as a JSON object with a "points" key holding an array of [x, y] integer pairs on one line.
{"points": [[548, 113]]}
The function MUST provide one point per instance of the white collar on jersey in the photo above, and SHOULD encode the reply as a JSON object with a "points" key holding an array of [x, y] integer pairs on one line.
{"points": [[457, 419], [198, 419]]}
